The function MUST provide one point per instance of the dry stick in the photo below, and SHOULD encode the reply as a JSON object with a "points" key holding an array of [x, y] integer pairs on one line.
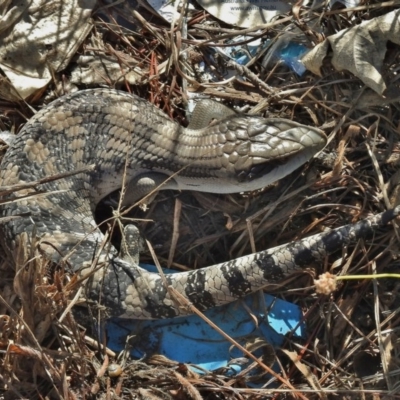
{"points": [[335, 391], [50, 371], [175, 231], [181, 300], [82, 277], [28, 196], [378, 172], [242, 70], [344, 117], [385, 360], [358, 346], [269, 25], [20, 186], [194, 310], [362, 8], [161, 272], [89, 341]]}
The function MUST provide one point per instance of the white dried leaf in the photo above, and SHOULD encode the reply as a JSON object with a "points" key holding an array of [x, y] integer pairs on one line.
{"points": [[360, 49], [41, 39]]}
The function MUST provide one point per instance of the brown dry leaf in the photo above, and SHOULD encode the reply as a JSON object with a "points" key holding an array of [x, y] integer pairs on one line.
{"points": [[360, 49], [347, 307], [24, 281], [305, 370], [388, 344], [187, 388], [25, 351]]}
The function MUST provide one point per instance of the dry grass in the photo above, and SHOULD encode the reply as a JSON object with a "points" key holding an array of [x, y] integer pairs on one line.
{"points": [[351, 350]]}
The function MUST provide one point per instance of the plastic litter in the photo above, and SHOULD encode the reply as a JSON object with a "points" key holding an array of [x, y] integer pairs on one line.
{"points": [[289, 52], [191, 340]]}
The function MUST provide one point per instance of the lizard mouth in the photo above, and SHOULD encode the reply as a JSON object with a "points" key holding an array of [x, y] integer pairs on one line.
{"points": [[282, 161]]}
